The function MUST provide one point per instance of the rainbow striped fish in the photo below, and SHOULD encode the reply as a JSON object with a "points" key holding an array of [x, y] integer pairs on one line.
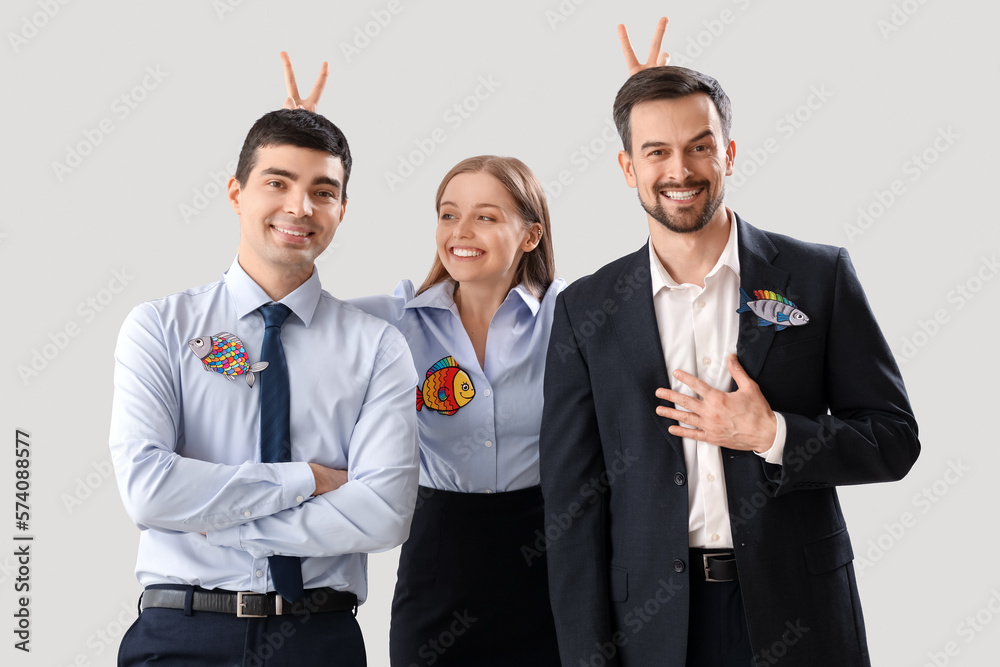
{"points": [[224, 353], [772, 308], [446, 388]]}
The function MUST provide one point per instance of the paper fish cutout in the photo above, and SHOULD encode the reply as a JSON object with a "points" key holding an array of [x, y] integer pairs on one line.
{"points": [[446, 388], [224, 353], [772, 308]]}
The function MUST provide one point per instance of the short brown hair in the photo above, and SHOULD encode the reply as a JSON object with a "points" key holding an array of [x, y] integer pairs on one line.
{"points": [[536, 269], [667, 83]]}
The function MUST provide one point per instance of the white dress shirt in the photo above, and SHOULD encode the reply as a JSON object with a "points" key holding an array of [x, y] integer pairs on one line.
{"points": [[186, 442], [698, 329]]}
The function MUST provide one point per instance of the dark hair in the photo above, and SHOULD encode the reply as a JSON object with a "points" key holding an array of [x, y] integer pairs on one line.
{"points": [[294, 127], [537, 268], [667, 83]]}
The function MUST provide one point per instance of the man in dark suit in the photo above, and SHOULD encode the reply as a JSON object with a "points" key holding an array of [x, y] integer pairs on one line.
{"points": [[692, 514]]}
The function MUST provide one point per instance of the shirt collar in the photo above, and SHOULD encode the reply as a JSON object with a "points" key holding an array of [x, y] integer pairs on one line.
{"points": [[442, 295], [248, 296], [730, 257]]}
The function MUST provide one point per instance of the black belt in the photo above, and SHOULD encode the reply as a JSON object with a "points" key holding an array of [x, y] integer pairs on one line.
{"points": [[246, 604], [714, 564]]}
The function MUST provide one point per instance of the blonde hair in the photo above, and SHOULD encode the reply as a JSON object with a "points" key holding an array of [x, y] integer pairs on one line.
{"points": [[536, 269]]}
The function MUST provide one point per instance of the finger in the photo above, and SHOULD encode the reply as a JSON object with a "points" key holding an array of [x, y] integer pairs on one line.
{"points": [[663, 60], [290, 85], [700, 386], [290, 104], [317, 90], [677, 398], [631, 62], [739, 375], [657, 43], [684, 432], [680, 416]]}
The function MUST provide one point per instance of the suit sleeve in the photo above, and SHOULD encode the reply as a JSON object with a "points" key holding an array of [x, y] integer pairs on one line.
{"points": [[576, 518], [870, 434]]}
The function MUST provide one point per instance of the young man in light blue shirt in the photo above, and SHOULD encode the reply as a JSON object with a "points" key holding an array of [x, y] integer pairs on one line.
{"points": [[239, 405]]}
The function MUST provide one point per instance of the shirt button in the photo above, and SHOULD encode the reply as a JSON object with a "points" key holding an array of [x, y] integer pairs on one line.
{"points": [[299, 499], [259, 573], [487, 392], [489, 443], [707, 361], [678, 565], [710, 477], [701, 303], [679, 479], [715, 537], [247, 513]]}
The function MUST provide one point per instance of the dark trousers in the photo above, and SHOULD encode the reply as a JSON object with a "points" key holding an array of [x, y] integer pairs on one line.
{"points": [[717, 624], [212, 639]]}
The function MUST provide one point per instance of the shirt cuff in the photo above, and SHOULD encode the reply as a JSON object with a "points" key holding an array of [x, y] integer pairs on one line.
{"points": [[298, 486], [299, 482], [226, 537], [777, 450]]}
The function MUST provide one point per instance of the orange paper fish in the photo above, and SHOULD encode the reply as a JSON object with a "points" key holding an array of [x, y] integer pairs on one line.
{"points": [[446, 388]]}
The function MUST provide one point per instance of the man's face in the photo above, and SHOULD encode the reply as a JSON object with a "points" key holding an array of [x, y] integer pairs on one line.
{"points": [[679, 161], [289, 209]]}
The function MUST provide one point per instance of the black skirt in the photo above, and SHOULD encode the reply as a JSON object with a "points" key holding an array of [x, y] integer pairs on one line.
{"points": [[471, 588]]}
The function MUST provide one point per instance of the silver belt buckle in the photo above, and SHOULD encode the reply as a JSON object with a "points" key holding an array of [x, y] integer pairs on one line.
{"points": [[239, 605], [708, 575]]}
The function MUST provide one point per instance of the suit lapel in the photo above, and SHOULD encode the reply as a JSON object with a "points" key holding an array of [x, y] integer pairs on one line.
{"points": [[639, 337], [756, 273]]}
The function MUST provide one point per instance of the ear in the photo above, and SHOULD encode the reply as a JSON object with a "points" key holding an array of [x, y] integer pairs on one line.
{"points": [[534, 237], [625, 162], [343, 209], [233, 194], [730, 157]]}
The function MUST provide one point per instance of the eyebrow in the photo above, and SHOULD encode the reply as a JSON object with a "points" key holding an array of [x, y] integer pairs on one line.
{"points": [[657, 144], [481, 205], [319, 180]]}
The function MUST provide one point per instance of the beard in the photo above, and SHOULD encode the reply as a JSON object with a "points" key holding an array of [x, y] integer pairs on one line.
{"points": [[689, 221]]}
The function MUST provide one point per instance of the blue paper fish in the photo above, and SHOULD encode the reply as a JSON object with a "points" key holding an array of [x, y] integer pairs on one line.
{"points": [[224, 353], [772, 308]]}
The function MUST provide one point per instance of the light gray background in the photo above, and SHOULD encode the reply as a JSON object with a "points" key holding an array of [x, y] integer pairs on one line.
{"points": [[887, 96]]}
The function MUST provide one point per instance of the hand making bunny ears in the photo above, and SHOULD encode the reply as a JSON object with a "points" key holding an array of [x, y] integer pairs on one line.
{"points": [[656, 57]]}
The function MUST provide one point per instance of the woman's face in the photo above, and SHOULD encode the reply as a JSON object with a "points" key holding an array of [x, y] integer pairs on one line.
{"points": [[480, 237]]}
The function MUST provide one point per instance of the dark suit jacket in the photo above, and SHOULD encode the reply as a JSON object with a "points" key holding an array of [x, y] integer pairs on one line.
{"points": [[614, 480]]}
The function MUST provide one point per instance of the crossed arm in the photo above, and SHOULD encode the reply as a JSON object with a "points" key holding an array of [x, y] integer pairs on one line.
{"points": [[286, 502]]}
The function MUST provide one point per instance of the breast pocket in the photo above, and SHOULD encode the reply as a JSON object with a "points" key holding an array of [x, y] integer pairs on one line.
{"points": [[794, 351]]}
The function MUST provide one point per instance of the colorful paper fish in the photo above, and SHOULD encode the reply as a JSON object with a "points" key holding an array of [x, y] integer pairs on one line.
{"points": [[224, 353], [772, 308], [446, 388]]}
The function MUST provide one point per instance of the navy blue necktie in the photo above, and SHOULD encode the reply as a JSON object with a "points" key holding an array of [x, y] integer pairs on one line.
{"points": [[275, 438]]}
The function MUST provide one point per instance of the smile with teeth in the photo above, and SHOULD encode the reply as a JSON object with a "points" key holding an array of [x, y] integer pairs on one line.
{"points": [[289, 231], [466, 252], [681, 195]]}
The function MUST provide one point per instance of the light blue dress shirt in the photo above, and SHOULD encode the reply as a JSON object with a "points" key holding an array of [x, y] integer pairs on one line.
{"points": [[491, 443], [185, 442]]}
